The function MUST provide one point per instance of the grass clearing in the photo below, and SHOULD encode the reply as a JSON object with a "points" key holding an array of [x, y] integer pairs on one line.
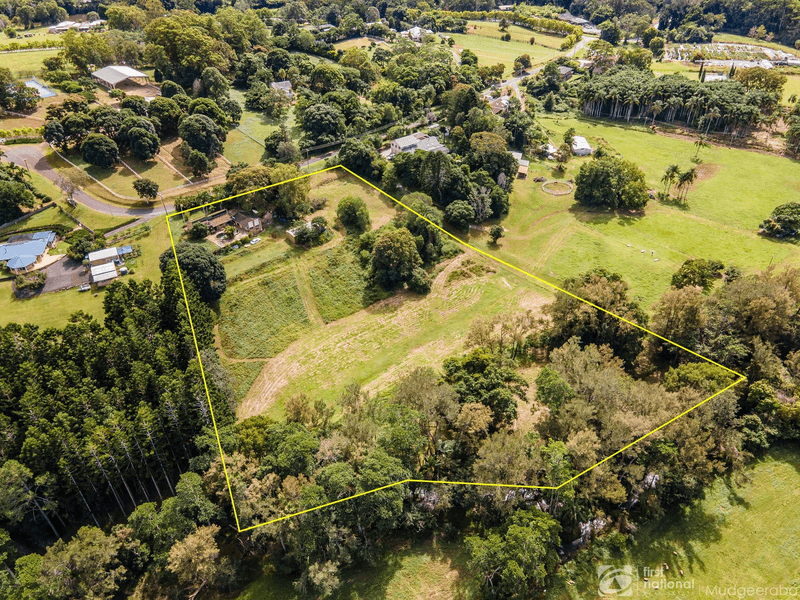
{"points": [[738, 536], [244, 374], [555, 239], [339, 285], [25, 64], [261, 318], [245, 143], [490, 50], [518, 34], [41, 220], [92, 218]]}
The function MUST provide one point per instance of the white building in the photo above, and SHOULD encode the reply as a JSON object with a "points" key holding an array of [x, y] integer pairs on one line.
{"points": [[417, 141], [64, 26], [415, 33], [580, 147], [104, 272]]}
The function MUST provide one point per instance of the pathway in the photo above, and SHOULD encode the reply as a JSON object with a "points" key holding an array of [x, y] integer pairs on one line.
{"points": [[32, 157]]}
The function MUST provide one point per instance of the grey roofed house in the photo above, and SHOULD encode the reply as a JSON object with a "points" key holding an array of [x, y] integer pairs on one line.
{"points": [[566, 72], [283, 86], [113, 75], [417, 141], [22, 252]]}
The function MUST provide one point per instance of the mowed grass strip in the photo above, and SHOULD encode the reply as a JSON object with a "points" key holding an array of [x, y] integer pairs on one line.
{"points": [[261, 318], [491, 51]]}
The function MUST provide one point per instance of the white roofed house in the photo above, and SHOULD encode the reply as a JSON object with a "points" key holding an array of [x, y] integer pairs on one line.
{"points": [[580, 147], [110, 77]]}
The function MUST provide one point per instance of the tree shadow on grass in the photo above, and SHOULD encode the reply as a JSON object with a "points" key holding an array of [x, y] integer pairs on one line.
{"points": [[603, 217]]}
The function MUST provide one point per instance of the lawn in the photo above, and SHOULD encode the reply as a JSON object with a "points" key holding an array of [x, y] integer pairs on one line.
{"points": [[738, 536], [518, 34], [792, 87], [41, 221], [25, 64], [48, 310], [92, 218], [244, 374], [553, 238], [490, 50], [40, 34], [246, 142], [418, 570]]}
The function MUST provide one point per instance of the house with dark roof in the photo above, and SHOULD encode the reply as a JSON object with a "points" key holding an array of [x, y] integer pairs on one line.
{"points": [[22, 252], [248, 223]]}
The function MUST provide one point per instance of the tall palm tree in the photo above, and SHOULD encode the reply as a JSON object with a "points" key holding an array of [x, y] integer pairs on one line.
{"points": [[700, 143], [669, 177], [685, 180]]}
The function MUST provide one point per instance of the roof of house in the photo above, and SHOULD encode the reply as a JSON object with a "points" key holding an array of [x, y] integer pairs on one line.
{"points": [[285, 85], [104, 272], [499, 104], [244, 219], [410, 140], [515, 154], [565, 70], [104, 254], [219, 220], [19, 255], [431, 144], [116, 73], [48, 236]]}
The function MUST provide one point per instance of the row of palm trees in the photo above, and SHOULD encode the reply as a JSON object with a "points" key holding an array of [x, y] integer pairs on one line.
{"points": [[683, 180], [726, 106]]}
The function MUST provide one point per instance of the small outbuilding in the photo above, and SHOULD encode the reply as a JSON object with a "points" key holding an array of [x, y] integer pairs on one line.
{"points": [[110, 77], [580, 147]]}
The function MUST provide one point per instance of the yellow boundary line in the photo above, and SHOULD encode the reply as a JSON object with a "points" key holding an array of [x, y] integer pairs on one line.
{"points": [[479, 251]]}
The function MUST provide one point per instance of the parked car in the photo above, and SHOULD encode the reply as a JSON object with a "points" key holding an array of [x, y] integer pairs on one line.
{"points": [[255, 240], [85, 287]]}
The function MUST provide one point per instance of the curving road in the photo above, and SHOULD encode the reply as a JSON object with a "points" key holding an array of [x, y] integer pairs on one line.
{"points": [[32, 157]]}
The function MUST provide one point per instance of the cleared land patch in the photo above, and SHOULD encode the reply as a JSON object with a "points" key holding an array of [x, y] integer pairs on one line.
{"points": [[261, 318]]}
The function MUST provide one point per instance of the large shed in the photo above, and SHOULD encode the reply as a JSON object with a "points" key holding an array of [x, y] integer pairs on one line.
{"points": [[112, 76]]}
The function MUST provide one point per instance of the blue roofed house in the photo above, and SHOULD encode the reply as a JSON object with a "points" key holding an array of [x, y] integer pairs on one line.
{"points": [[22, 252]]}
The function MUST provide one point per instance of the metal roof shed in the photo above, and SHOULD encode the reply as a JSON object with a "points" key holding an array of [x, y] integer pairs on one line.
{"points": [[111, 76]]}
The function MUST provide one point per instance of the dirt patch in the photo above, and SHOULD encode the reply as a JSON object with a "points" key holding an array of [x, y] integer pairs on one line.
{"points": [[706, 171]]}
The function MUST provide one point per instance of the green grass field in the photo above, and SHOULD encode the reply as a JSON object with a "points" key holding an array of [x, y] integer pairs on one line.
{"points": [[259, 319], [54, 309], [41, 220], [240, 145], [490, 50], [24, 64], [338, 284], [40, 34], [553, 238], [739, 536], [92, 218], [518, 34]]}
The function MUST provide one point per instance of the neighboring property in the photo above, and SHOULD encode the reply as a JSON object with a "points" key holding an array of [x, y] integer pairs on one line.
{"points": [[714, 77], [101, 257], [500, 105], [103, 264], [284, 87], [522, 169], [587, 26], [248, 223], [580, 147], [505, 7], [22, 252], [91, 25], [112, 76], [63, 26], [415, 33], [566, 72], [417, 141]]}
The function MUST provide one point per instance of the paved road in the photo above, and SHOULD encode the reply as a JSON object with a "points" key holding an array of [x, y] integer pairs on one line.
{"points": [[32, 157]]}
